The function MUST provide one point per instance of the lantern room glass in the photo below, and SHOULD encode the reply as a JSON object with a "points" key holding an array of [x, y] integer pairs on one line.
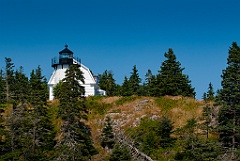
{"points": [[65, 55]]}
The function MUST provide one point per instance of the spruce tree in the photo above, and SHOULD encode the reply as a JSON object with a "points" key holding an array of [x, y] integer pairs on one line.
{"points": [[2, 88], [171, 80], [107, 135], [75, 143], [21, 86], [208, 109], [210, 93], [120, 154], [229, 99], [9, 78], [134, 81], [164, 131], [107, 83], [38, 87], [125, 90], [148, 82]]}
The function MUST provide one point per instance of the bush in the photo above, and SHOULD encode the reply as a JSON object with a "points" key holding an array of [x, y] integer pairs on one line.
{"points": [[95, 105], [126, 99]]}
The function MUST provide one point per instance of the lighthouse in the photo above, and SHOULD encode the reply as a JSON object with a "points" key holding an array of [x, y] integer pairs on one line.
{"points": [[61, 63]]}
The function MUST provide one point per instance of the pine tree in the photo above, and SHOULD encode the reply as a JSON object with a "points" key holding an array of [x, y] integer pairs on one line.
{"points": [[194, 147], [171, 80], [5, 139], [108, 135], [21, 86], [2, 88], [75, 143], [107, 83], [164, 131], [57, 90], [148, 81], [9, 78], [31, 133], [134, 81], [125, 90], [209, 96], [120, 154], [207, 114], [229, 99], [38, 86]]}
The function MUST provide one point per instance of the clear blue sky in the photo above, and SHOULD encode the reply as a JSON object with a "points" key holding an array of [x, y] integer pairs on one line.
{"points": [[118, 34]]}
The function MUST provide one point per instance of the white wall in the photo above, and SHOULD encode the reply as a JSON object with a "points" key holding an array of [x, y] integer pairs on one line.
{"points": [[59, 73]]}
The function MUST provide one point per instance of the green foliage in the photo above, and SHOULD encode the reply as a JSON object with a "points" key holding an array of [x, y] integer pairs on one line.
{"points": [[75, 143], [209, 96], [193, 147], [9, 78], [171, 80], [2, 88], [5, 143], [150, 84], [107, 83], [120, 154], [207, 118], [31, 135], [134, 81], [152, 135], [229, 98], [125, 99], [57, 90], [131, 86], [96, 105], [165, 103], [165, 129], [108, 135], [38, 87], [125, 87], [21, 86], [199, 150]]}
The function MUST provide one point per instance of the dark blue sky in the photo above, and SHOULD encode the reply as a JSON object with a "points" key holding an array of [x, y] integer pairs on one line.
{"points": [[118, 34]]}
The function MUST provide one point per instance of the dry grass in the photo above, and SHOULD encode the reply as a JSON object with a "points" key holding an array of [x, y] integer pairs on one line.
{"points": [[179, 109]]}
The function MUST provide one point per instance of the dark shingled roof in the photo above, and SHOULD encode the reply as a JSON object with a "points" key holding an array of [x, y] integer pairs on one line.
{"points": [[66, 50]]}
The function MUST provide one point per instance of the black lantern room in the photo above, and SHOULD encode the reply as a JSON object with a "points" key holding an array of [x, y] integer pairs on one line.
{"points": [[65, 58]]}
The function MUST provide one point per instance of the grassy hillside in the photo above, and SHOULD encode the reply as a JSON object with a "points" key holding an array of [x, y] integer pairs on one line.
{"points": [[127, 112]]}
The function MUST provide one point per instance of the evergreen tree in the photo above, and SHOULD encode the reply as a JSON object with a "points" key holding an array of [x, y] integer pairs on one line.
{"points": [[164, 131], [75, 143], [195, 148], [204, 97], [148, 82], [9, 78], [120, 154], [209, 96], [108, 135], [171, 80], [5, 139], [229, 98], [125, 90], [38, 86], [208, 110], [107, 83], [31, 135], [207, 117], [21, 86], [2, 88], [57, 90], [153, 87], [134, 81]]}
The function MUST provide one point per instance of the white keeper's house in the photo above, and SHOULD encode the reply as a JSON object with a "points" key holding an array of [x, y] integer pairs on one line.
{"points": [[62, 63]]}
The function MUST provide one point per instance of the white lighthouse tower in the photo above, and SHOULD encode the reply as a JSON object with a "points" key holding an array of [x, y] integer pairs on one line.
{"points": [[62, 63]]}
